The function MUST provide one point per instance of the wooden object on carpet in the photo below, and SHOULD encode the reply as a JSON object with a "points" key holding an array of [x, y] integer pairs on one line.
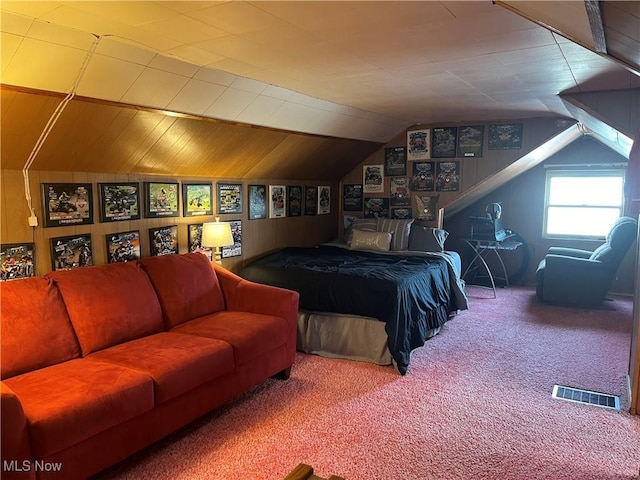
{"points": [[305, 472]]}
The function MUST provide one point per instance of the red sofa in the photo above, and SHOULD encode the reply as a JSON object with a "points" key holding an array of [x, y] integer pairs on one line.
{"points": [[99, 362]]}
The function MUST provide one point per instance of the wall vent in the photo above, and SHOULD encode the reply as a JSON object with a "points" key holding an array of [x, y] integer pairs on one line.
{"points": [[585, 396]]}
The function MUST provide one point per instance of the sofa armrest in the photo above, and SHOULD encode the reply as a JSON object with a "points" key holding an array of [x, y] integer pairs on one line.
{"points": [[17, 459], [246, 296], [569, 252]]}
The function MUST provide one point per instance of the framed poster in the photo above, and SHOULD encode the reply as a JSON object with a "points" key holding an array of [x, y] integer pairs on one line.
{"points": [[119, 201], [72, 251], [443, 142], [17, 260], [352, 197], [505, 137], [197, 199], [376, 208], [418, 142], [66, 204], [448, 176], [277, 201], [395, 161], [399, 191], [426, 206], [163, 240], [257, 202], [401, 213], [373, 178], [310, 200], [161, 199], [194, 239], [324, 199], [294, 200], [470, 141], [123, 246], [423, 176], [234, 250], [229, 198]]}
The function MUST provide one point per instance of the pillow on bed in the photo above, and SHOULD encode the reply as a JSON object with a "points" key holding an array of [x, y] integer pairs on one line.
{"points": [[376, 241], [427, 239], [400, 230], [362, 224]]}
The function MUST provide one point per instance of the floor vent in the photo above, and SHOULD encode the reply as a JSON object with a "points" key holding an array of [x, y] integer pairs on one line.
{"points": [[585, 396]]}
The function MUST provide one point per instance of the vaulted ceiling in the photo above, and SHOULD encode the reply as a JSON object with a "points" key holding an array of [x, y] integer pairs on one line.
{"points": [[327, 82]]}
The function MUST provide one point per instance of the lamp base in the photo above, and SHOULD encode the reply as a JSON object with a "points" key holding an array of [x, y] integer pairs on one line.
{"points": [[217, 256]]}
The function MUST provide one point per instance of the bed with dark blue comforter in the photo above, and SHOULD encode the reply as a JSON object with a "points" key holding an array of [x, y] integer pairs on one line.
{"points": [[413, 293]]}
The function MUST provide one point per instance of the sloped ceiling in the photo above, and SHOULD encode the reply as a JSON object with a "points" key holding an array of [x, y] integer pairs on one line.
{"points": [[363, 71]]}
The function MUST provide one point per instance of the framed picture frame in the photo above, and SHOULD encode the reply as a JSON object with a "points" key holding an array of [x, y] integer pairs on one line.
{"points": [[65, 204], [401, 213], [373, 178], [234, 250], [310, 200], [352, 197], [163, 240], [123, 246], [448, 176], [257, 202], [470, 141], [418, 144], [294, 201], [443, 142], [376, 207], [229, 198], [426, 207], [119, 201], [17, 260], [506, 136], [399, 195], [161, 199], [72, 251], [324, 199], [194, 240], [423, 176], [197, 199], [277, 201], [395, 161]]}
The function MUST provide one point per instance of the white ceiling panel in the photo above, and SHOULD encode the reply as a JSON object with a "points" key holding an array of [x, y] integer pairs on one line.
{"points": [[165, 88], [108, 78], [260, 110], [231, 103], [196, 97]]}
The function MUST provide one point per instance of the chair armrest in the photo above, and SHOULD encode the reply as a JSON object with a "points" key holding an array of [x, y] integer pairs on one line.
{"points": [[15, 446], [569, 252]]}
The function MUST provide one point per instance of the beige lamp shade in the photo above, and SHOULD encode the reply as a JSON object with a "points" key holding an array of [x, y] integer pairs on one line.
{"points": [[216, 234]]}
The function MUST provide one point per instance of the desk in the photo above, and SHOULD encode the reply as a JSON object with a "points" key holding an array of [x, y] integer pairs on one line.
{"points": [[482, 248]]}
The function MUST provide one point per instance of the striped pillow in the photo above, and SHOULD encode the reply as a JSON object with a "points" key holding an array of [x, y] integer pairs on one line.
{"points": [[400, 229], [362, 224]]}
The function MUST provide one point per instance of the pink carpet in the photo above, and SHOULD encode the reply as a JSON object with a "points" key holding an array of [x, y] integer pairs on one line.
{"points": [[475, 404]]}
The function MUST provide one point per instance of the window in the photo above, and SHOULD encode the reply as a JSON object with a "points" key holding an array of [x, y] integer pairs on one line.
{"points": [[580, 203]]}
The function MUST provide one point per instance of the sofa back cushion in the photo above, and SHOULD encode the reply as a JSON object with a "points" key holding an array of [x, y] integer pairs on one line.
{"points": [[109, 304], [187, 286], [36, 331]]}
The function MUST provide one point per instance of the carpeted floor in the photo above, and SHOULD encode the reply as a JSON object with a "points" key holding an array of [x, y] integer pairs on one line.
{"points": [[475, 404]]}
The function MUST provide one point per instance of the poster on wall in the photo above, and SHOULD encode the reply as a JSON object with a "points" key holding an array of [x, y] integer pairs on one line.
{"points": [[17, 260], [234, 250], [399, 191], [376, 207], [229, 198], [65, 204], [444, 142], [257, 202], [310, 200], [294, 200], [395, 161], [119, 201], [277, 201], [163, 240], [470, 140], [123, 246], [448, 176], [505, 137], [161, 199], [373, 178], [400, 213], [197, 199], [426, 206], [423, 176], [324, 199], [352, 197], [73, 251], [418, 142], [194, 239]]}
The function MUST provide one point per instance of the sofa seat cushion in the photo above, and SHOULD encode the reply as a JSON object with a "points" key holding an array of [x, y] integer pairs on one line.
{"points": [[186, 284], [32, 314], [109, 304], [177, 363], [250, 334], [69, 402]]}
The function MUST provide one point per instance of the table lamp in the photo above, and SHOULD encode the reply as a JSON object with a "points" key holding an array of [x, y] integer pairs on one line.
{"points": [[217, 234]]}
